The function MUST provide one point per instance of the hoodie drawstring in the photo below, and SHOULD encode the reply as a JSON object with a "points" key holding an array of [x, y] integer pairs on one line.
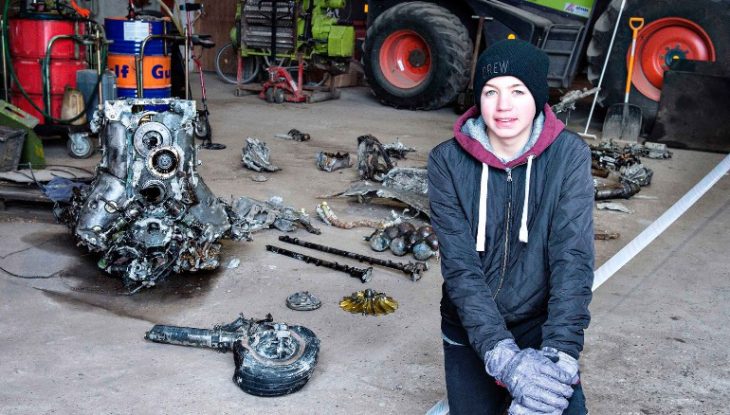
{"points": [[482, 224], [523, 221]]}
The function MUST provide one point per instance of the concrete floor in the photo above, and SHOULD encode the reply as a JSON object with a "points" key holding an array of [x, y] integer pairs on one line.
{"points": [[73, 343]]}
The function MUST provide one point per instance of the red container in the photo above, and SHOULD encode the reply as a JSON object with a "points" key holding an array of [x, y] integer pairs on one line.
{"points": [[29, 39], [19, 101], [63, 72]]}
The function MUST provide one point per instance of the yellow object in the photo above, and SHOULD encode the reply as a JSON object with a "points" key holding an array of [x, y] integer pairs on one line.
{"points": [[511, 36], [369, 302], [636, 23]]}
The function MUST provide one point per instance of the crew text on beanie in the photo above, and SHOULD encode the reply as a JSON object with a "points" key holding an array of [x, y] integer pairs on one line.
{"points": [[516, 58]]}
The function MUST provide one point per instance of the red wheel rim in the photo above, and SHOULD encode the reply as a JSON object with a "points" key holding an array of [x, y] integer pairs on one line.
{"points": [[405, 59], [659, 43]]}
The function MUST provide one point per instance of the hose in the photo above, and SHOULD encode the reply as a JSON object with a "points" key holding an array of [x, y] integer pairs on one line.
{"points": [[45, 71]]}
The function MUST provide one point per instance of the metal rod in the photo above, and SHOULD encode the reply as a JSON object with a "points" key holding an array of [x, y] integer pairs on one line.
{"points": [[365, 274], [411, 269]]}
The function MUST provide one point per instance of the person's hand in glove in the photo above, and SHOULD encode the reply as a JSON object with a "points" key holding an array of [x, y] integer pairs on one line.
{"points": [[532, 379], [565, 362], [517, 409]]}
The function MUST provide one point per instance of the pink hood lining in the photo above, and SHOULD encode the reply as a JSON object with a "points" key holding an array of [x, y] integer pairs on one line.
{"points": [[550, 131]]}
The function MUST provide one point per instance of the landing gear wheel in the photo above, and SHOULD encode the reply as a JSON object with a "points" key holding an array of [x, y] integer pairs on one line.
{"points": [[275, 360], [202, 130], [80, 146], [279, 96], [701, 33], [417, 56], [269, 95]]}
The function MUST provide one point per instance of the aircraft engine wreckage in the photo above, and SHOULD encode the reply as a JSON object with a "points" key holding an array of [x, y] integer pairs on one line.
{"points": [[147, 211], [272, 359]]}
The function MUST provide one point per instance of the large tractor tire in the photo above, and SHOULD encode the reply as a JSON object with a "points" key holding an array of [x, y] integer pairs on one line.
{"points": [[696, 30], [416, 56]]}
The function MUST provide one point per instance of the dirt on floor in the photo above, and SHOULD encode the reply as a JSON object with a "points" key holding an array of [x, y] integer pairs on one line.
{"points": [[73, 338]]}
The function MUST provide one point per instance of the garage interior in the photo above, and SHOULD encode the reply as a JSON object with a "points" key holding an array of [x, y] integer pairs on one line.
{"points": [[75, 335]]}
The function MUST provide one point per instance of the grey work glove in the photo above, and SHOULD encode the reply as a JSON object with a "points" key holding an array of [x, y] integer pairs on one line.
{"points": [[517, 409], [531, 378], [565, 362]]}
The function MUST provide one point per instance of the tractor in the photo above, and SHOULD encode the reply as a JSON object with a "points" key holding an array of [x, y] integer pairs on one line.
{"points": [[418, 54]]}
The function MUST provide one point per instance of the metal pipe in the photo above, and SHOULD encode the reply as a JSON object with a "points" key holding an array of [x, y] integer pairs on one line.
{"points": [[411, 269], [139, 62], [365, 274]]}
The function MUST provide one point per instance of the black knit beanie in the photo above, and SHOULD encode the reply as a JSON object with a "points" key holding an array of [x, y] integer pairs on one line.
{"points": [[514, 57]]}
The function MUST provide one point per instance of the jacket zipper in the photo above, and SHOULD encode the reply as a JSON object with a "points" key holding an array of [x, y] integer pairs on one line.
{"points": [[506, 234]]}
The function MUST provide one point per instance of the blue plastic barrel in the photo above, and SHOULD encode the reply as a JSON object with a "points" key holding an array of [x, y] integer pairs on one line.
{"points": [[127, 37]]}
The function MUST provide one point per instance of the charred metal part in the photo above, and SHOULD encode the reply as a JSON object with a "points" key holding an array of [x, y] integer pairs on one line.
{"points": [[613, 206], [255, 156], [328, 216], [637, 173], [411, 269], [404, 238], [294, 135], [369, 302], [379, 242], [398, 150], [147, 211], [407, 179], [605, 235], [621, 191], [272, 359], [373, 161], [568, 100], [364, 274], [330, 162], [655, 150], [303, 301], [249, 215], [365, 191]]}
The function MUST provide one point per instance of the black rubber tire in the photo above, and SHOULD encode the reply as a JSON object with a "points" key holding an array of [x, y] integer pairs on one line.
{"points": [[450, 46], [226, 69], [201, 126], [262, 376], [83, 151], [712, 15]]}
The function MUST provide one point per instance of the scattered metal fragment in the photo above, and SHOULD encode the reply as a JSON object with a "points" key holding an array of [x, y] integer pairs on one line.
{"points": [[369, 302], [330, 162], [233, 263], [411, 269], [637, 173], [623, 190], [259, 178], [249, 215], [365, 274], [272, 359], [407, 185], [294, 135], [655, 150], [404, 238], [398, 150], [373, 161], [568, 100], [614, 206], [605, 235], [255, 156], [303, 301], [327, 216], [147, 211]]}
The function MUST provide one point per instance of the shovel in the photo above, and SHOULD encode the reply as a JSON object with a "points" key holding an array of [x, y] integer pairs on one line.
{"points": [[623, 121]]}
